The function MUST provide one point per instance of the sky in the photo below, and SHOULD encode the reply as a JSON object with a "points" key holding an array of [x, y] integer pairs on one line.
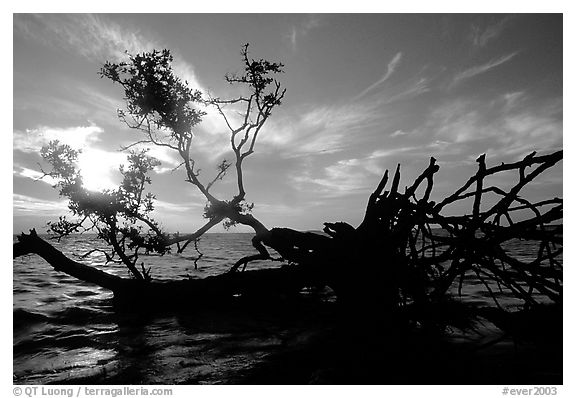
{"points": [[364, 92]]}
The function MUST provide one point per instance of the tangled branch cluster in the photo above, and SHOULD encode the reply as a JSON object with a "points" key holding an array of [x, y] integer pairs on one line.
{"points": [[442, 249]]}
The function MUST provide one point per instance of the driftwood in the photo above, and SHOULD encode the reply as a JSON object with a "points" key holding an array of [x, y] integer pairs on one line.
{"points": [[405, 251]]}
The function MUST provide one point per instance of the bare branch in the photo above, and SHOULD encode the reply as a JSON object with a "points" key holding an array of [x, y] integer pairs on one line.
{"points": [[190, 237]]}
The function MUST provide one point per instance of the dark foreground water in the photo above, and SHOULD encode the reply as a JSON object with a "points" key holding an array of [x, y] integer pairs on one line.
{"points": [[66, 331]]}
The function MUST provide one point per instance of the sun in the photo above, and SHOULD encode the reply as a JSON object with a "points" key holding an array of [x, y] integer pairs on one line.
{"points": [[99, 168]]}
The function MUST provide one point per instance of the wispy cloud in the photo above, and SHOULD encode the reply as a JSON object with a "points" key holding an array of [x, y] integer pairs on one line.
{"points": [[408, 90], [398, 133], [299, 31], [479, 69], [24, 204], [90, 35], [392, 65], [177, 207], [352, 175], [32, 174], [513, 100], [96, 165], [341, 178], [95, 37], [99, 38], [32, 140], [496, 127], [323, 129], [480, 36]]}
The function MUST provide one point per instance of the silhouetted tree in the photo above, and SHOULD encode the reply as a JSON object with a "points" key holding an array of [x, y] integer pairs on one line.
{"points": [[405, 253], [118, 216]]}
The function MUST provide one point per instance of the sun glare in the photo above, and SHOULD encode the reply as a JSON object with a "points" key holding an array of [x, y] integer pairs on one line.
{"points": [[99, 169]]}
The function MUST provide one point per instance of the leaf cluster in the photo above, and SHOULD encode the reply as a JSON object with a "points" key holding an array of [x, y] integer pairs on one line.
{"points": [[221, 209], [154, 93], [258, 74]]}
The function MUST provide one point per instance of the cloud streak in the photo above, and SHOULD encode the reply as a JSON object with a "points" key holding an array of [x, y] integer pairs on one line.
{"points": [[392, 66], [24, 204], [480, 37], [495, 127], [94, 37], [311, 22], [351, 175], [97, 38], [407, 91], [479, 69], [324, 129], [89, 35]]}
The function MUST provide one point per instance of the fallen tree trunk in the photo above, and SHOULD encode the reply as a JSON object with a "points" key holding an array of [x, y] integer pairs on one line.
{"points": [[219, 289], [32, 243], [404, 252]]}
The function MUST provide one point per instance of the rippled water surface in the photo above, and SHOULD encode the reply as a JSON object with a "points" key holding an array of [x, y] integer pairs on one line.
{"points": [[66, 331]]}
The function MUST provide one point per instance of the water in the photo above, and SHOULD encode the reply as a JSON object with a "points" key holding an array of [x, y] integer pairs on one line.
{"points": [[66, 331]]}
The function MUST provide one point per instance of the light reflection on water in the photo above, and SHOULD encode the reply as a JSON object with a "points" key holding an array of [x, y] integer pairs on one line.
{"points": [[65, 330]]}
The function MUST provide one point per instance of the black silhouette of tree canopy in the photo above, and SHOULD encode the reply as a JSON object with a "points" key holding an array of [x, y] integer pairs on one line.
{"points": [[407, 250], [160, 106], [118, 216]]}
